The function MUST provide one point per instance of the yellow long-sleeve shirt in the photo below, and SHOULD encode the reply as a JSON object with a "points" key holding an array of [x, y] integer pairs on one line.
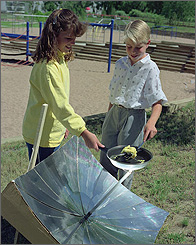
{"points": [[50, 84]]}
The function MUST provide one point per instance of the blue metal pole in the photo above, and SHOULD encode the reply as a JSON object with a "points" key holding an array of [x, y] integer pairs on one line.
{"points": [[27, 44], [40, 29], [110, 49]]}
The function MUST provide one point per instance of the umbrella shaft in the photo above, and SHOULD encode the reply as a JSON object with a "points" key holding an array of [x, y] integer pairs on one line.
{"points": [[110, 191], [96, 206], [71, 234]]}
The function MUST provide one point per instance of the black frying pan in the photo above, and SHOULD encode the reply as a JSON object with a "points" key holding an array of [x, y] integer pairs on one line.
{"points": [[119, 160]]}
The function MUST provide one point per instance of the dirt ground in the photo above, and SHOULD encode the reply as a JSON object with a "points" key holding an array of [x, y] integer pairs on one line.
{"points": [[88, 96], [89, 88]]}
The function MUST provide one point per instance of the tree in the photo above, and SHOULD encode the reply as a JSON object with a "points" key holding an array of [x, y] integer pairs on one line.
{"points": [[79, 7], [51, 5], [154, 6], [183, 9]]}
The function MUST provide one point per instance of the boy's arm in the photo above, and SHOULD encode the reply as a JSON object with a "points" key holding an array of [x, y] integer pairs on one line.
{"points": [[150, 130]]}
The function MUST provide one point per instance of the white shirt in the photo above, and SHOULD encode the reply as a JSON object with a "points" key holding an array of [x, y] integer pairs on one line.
{"points": [[136, 86]]}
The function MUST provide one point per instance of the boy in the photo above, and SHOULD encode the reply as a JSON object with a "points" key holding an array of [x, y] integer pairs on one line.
{"points": [[134, 87]]}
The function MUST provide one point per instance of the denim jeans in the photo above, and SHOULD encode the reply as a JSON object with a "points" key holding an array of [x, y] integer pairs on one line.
{"points": [[43, 152]]}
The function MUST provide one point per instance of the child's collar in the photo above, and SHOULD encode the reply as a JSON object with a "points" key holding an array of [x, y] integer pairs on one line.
{"points": [[143, 60], [61, 54]]}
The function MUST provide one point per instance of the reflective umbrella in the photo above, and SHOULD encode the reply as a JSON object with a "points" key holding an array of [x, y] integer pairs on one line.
{"points": [[69, 198]]}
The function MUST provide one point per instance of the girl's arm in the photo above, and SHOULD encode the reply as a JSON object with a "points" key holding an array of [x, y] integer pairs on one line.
{"points": [[150, 130]]}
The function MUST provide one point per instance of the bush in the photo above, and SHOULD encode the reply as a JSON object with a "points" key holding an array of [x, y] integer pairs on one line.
{"points": [[158, 20], [135, 13], [178, 127], [120, 13], [173, 128], [150, 17]]}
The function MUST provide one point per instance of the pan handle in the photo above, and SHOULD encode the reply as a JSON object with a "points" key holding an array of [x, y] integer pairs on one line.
{"points": [[104, 149]]}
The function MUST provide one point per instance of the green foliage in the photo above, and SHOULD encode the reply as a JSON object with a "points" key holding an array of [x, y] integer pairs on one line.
{"points": [[136, 13], [185, 222], [120, 13], [154, 7], [172, 19], [50, 5], [14, 161], [176, 238], [155, 18], [79, 7], [158, 20], [177, 127], [182, 9], [157, 12]]}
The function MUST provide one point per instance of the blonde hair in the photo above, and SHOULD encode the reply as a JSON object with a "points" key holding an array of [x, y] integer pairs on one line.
{"points": [[137, 31]]}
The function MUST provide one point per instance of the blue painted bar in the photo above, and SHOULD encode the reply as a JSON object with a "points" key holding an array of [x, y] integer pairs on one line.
{"points": [[164, 29], [102, 25], [27, 43], [40, 29], [110, 49], [111, 26], [27, 37], [11, 35]]}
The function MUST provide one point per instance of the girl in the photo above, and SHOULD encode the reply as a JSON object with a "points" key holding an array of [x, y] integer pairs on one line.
{"points": [[135, 86], [50, 84]]}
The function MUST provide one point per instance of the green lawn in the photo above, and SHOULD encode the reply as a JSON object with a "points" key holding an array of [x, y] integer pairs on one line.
{"points": [[168, 181]]}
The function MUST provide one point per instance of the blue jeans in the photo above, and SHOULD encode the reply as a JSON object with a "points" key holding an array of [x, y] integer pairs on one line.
{"points": [[43, 152]]}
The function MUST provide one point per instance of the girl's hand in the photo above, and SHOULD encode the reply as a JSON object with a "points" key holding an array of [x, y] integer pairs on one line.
{"points": [[66, 133], [91, 140]]}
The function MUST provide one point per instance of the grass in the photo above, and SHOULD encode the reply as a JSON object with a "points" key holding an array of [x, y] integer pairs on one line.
{"points": [[168, 181]]}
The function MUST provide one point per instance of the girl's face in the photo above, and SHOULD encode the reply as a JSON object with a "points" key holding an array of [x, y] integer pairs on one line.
{"points": [[65, 41], [136, 52]]}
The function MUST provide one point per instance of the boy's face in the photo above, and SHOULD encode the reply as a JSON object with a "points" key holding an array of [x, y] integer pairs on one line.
{"points": [[136, 52], [65, 41]]}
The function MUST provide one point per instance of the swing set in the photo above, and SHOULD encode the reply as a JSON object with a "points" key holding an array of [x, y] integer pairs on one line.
{"points": [[28, 38]]}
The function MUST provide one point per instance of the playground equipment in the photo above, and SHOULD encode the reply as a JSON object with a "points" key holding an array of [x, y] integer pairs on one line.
{"points": [[163, 29], [27, 37]]}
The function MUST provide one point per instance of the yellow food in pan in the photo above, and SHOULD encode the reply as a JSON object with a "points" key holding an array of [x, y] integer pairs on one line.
{"points": [[130, 151]]}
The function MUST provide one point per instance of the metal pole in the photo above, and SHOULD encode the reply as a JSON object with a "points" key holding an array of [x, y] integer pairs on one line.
{"points": [[27, 44], [96, 206], [110, 49], [38, 137], [110, 191], [40, 29], [35, 148]]}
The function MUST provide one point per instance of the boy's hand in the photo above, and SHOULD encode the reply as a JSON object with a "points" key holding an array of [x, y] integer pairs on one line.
{"points": [[149, 131]]}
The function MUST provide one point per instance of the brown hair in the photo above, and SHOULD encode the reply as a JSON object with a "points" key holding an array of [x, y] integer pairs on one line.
{"points": [[59, 20]]}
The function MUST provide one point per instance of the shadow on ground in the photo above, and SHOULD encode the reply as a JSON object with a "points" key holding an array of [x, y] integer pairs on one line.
{"points": [[8, 234]]}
